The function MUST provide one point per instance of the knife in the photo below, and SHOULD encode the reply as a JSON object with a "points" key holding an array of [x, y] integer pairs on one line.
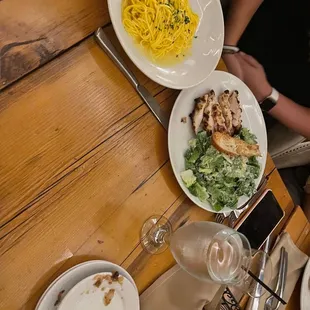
{"points": [[151, 102], [253, 303]]}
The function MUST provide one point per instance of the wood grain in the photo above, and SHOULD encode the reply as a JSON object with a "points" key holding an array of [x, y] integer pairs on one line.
{"points": [[54, 117], [90, 200], [299, 229], [33, 32]]}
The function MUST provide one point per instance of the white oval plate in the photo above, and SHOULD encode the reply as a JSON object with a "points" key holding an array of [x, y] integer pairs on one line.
{"points": [[305, 289], [180, 133], [85, 295], [66, 281], [195, 68]]}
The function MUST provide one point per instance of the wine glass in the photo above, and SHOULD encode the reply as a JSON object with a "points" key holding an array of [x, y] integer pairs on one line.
{"points": [[209, 251]]}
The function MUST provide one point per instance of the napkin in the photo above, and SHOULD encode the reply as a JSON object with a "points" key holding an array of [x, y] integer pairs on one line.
{"points": [[178, 290], [296, 263]]}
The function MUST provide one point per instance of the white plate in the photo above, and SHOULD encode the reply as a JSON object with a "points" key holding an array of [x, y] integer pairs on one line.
{"points": [[179, 133], [74, 275], [195, 68], [305, 289], [86, 295]]}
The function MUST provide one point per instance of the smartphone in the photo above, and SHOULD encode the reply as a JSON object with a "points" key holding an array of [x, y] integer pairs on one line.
{"points": [[261, 220]]}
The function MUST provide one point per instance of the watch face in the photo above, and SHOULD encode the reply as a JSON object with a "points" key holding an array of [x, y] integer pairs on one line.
{"points": [[267, 104]]}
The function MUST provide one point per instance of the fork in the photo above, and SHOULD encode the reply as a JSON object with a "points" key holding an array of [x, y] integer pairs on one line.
{"points": [[220, 217]]}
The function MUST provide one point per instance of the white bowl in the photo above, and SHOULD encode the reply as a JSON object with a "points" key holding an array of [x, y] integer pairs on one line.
{"points": [[195, 68]]}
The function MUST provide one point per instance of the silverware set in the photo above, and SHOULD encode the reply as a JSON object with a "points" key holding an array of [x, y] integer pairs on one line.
{"points": [[271, 303]]}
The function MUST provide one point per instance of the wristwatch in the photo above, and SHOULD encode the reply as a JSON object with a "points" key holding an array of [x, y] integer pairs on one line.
{"points": [[268, 103]]}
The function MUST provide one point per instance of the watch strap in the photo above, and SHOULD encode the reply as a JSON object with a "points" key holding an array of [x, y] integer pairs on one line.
{"points": [[230, 49], [268, 103]]}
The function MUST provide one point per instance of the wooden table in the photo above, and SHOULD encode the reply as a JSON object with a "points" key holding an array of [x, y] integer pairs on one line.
{"points": [[83, 162]]}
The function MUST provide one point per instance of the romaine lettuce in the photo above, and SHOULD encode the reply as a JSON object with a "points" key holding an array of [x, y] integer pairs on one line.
{"points": [[216, 177]]}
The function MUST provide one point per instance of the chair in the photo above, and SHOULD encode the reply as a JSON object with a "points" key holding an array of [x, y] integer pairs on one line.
{"points": [[287, 148]]}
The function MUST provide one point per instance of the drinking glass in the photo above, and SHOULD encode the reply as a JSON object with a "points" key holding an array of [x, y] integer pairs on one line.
{"points": [[208, 251]]}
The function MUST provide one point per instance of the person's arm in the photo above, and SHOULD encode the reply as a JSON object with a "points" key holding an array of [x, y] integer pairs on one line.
{"points": [[286, 111], [292, 115], [239, 16]]}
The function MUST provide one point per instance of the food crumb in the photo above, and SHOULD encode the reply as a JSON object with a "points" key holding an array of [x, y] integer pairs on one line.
{"points": [[59, 297], [115, 276], [108, 296], [98, 282], [100, 241], [103, 288], [184, 120]]}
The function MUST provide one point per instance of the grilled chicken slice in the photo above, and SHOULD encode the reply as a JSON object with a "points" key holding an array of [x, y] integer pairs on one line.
{"points": [[218, 118], [235, 110], [208, 122], [225, 106], [197, 114]]}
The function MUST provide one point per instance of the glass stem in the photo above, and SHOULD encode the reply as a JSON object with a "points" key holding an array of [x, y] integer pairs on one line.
{"points": [[159, 235]]}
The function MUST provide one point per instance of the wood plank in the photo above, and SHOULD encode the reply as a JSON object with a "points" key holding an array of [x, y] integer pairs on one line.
{"points": [[298, 227], [92, 199], [269, 165], [283, 197], [54, 117], [86, 163], [34, 32]]}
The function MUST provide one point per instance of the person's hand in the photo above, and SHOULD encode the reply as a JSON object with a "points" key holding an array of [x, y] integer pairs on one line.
{"points": [[253, 74]]}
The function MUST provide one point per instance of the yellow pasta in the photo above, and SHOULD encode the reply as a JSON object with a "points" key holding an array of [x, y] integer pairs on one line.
{"points": [[162, 27]]}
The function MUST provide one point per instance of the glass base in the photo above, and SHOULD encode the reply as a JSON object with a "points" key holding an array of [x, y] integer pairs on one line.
{"points": [[155, 233]]}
